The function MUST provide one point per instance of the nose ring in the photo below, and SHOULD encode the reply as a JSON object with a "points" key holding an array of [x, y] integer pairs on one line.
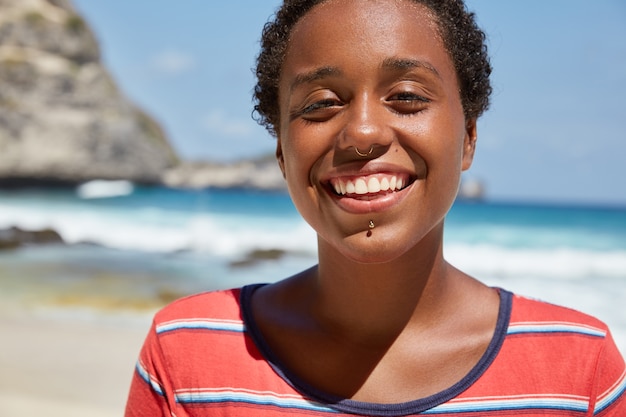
{"points": [[364, 154]]}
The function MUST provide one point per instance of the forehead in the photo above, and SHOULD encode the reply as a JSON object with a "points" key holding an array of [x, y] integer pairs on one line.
{"points": [[347, 13], [365, 32]]}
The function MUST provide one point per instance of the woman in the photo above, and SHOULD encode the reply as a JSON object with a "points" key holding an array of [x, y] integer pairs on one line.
{"points": [[374, 106]]}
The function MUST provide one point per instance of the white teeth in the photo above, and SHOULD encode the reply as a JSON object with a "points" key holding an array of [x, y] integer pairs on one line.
{"points": [[384, 184], [373, 185], [360, 187], [370, 185]]}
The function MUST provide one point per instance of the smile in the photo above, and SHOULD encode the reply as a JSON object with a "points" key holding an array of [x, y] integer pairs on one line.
{"points": [[369, 185]]}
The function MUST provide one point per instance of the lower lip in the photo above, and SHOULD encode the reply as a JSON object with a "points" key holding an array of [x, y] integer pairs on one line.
{"points": [[370, 204]]}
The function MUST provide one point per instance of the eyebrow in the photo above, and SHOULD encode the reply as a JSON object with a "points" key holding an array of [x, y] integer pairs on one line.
{"points": [[404, 64], [393, 64], [316, 74]]}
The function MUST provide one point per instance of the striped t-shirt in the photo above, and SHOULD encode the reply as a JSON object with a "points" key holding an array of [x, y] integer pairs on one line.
{"points": [[204, 356]]}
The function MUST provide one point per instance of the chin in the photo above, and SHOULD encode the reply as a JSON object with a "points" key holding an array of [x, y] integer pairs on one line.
{"points": [[374, 249]]}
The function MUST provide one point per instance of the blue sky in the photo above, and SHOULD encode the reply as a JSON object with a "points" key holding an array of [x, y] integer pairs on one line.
{"points": [[556, 130]]}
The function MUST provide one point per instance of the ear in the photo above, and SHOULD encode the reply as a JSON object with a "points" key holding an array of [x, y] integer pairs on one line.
{"points": [[469, 144], [279, 157]]}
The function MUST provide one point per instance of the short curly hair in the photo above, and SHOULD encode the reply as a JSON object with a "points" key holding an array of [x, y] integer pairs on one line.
{"points": [[463, 39]]}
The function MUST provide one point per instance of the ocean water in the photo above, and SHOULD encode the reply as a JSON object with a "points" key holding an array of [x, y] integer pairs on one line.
{"points": [[132, 241]]}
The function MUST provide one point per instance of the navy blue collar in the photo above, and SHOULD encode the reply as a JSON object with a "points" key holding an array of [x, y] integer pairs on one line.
{"points": [[373, 409]]}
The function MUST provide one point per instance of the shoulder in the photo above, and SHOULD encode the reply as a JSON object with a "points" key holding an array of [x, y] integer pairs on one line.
{"points": [[218, 305], [560, 338], [568, 342], [544, 341], [194, 343], [527, 310]]}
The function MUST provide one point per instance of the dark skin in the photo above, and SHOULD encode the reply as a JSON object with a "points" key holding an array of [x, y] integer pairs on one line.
{"points": [[383, 318]]}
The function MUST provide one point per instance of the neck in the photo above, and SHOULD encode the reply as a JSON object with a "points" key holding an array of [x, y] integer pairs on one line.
{"points": [[376, 301]]}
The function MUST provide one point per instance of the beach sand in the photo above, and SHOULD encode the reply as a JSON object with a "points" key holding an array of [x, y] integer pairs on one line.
{"points": [[67, 363]]}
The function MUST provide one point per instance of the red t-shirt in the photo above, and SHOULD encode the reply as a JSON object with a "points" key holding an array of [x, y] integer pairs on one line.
{"points": [[204, 356]]}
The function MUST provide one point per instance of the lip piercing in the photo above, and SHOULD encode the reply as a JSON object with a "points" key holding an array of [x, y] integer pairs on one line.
{"points": [[364, 154], [371, 226]]}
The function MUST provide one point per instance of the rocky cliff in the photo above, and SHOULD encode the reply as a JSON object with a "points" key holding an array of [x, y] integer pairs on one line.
{"points": [[261, 173], [62, 118]]}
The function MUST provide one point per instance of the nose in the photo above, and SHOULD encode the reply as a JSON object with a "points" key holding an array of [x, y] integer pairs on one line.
{"points": [[365, 126]]}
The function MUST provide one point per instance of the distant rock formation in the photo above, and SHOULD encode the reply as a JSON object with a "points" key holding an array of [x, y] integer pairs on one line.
{"points": [[471, 189], [262, 173], [62, 118], [15, 237]]}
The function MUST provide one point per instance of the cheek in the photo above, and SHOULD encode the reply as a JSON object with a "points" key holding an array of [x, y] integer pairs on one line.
{"points": [[303, 147], [298, 164], [438, 139]]}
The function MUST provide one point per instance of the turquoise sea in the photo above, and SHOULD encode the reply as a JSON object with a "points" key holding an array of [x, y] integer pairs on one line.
{"points": [[129, 242]]}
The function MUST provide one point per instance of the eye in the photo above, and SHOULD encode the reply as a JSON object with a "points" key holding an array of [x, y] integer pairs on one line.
{"points": [[407, 102], [322, 104], [318, 111]]}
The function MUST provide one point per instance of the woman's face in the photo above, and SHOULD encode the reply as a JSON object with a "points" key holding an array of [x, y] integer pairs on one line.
{"points": [[371, 75]]}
